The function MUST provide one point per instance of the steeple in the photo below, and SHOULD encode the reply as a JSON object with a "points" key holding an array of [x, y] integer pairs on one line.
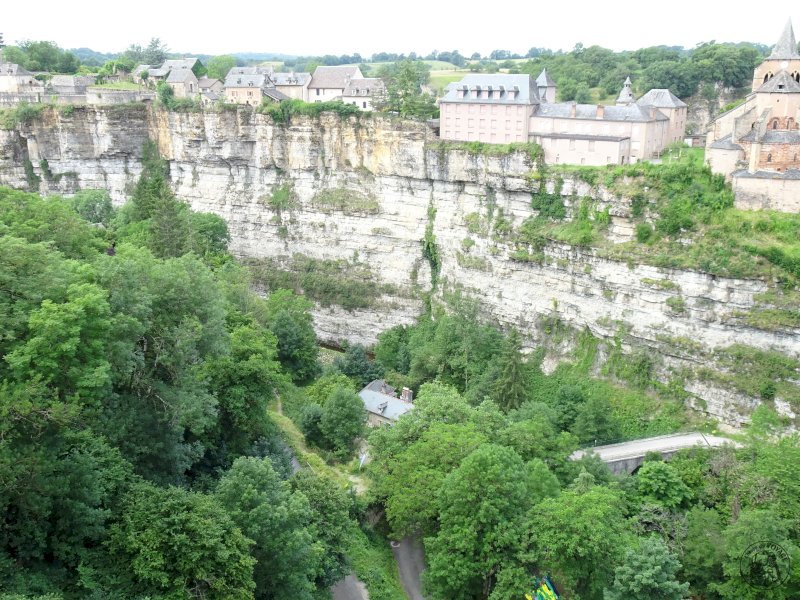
{"points": [[626, 95], [546, 86], [786, 47]]}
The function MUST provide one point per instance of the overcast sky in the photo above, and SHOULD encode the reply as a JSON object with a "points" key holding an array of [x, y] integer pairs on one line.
{"points": [[315, 27]]}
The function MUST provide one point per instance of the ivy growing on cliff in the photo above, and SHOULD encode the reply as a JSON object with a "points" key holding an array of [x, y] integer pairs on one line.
{"points": [[429, 248]]}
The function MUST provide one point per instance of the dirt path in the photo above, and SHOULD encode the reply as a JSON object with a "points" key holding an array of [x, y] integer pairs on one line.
{"points": [[410, 558], [349, 588]]}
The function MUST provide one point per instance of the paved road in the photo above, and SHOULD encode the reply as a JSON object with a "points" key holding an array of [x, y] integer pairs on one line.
{"points": [[349, 588], [664, 443], [410, 558]]}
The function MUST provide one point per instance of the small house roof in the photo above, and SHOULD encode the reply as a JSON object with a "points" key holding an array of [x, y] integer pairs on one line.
{"points": [[291, 78], [661, 98], [206, 83], [271, 92], [333, 77], [383, 404], [364, 86], [12, 69], [180, 75], [243, 80]]}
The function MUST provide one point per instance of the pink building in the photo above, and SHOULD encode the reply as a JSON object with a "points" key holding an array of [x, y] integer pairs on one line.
{"points": [[489, 108]]}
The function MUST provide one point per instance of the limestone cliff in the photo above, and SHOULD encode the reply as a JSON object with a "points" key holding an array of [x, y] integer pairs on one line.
{"points": [[366, 191]]}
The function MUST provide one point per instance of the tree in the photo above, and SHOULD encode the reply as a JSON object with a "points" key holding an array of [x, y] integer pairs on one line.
{"points": [[180, 544], [343, 418], [703, 549], [594, 423], [404, 95], [658, 481], [156, 53], [510, 389], [415, 476], [276, 518], [330, 523], [291, 323], [356, 365], [481, 504], [219, 66], [579, 537], [647, 573]]}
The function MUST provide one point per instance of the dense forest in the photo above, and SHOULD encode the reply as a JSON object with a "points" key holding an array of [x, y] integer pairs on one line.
{"points": [[165, 432]]}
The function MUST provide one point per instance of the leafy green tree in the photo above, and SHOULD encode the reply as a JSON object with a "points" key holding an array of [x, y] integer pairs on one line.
{"points": [[93, 205], [66, 344], [291, 323], [658, 481], [415, 476], [219, 66], [343, 419], [481, 504], [703, 550], [595, 423], [404, 95], [647, 573], [579, 537], [311, 424], [746, 578], [323, 388], [330, 523], [567, 403], [277, 520], [180, 544], [155, 53], [356, 365]]}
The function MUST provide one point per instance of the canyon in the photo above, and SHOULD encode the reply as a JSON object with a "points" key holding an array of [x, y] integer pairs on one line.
{"points": [[363, 192]]}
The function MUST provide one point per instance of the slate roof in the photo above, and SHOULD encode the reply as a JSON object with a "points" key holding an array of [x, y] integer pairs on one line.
{"points": [[211, 95], [240, 80], [787, 174], [544, 80], [632, 112], [206, 83], [660, 98], [382, 404], [141, 69], [274, 94], [251, 71], [626, 93], [787, 45], [364, 87], [773, 136], [333, 77], [180, 75], [528, 90], [169, 65], [13, 69], [725, 143], [782, 83], [291, 78]]}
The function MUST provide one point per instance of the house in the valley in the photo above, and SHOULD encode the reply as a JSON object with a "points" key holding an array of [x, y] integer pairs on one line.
{"points": [[183, 82], [329, 83], [364, 92], [382, 404], [209, 84]]}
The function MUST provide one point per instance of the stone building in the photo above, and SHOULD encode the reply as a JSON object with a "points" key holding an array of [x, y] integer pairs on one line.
{"points": [[382, 404], [515, 108], [292, 85], [16, 80], [364, 92], [243, 86], [329, 83], [757, 144]]}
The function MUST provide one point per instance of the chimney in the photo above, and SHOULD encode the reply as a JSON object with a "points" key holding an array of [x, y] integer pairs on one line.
{"points": [[573, 110], [653, 110], [407, 395], [601, 111]]}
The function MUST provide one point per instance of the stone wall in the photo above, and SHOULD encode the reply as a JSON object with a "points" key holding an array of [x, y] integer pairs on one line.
{"points": [[760, 193], [364, 190]]}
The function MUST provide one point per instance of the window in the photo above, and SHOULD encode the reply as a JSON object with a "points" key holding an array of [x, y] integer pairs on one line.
{"points": [[365, 104], [572, 144], [318, 90], [769, 157], [591, 145]]}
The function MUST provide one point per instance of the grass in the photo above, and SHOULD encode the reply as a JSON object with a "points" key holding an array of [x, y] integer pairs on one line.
{"points": [[534, 151], [350, 202]]}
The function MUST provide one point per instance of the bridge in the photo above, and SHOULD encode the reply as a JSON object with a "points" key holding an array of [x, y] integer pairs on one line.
{"points": [[627, 457]]}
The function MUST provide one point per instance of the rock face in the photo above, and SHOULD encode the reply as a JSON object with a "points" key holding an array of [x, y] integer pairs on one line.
{"points": [[366, 191]]}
